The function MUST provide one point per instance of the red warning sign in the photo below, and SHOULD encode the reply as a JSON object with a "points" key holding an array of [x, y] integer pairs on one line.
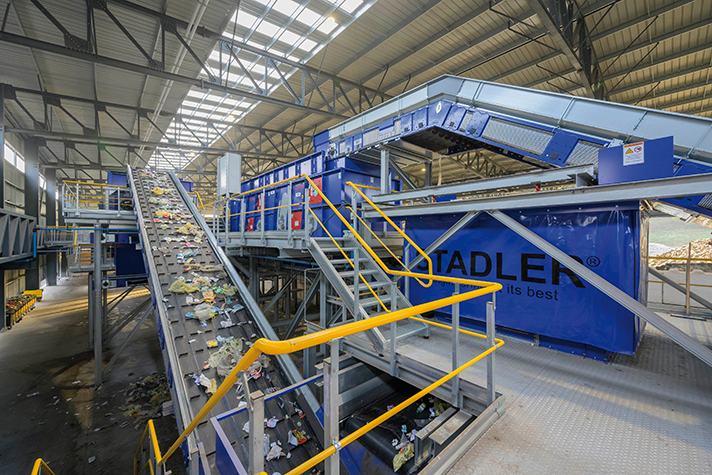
{"points": [[314, 196]]}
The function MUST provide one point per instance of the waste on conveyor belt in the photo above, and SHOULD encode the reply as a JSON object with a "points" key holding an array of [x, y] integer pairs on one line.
{"points": [[207, 301]]}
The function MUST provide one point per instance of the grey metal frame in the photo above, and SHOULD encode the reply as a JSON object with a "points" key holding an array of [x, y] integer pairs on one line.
{"points": [[290, 369], [675, 334], [619, 192], [512, 181]]}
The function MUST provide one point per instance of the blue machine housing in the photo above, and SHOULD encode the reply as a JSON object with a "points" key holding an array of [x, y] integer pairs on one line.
{"points": [[541, 298], [458, 127], [331, 175]]}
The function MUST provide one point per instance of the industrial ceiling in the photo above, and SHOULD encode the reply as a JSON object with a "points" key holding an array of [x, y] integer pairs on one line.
{"points": [[176, 83]]}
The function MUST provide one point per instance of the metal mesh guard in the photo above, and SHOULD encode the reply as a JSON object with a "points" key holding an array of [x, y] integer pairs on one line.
{"points": [[519, 136], [584, 153]]}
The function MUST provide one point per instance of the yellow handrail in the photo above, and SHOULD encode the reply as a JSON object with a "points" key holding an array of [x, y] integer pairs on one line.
{"points": [[93, 184], [39, 466], [283, 347], [150, 429], [397, 228]]}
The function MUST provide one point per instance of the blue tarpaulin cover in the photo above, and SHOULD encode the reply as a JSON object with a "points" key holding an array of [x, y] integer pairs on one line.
{"points": [[539, 295]]}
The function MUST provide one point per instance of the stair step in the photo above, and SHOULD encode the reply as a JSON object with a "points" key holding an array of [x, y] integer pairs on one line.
{"points": [[374, 285], [328, 250], [336, 262], [328, 239], [350, 273], [365, 301], [372, 301]]}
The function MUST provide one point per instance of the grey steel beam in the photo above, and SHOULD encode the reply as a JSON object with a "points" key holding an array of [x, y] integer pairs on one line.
{"points": [[302, 309], [98, 307], [290, 369], [101, 106], [39, 45], [675, 334], [558, 38], [679, 287], [331, 407], [124, 142], [2, 148], [404, 176], [511, 181], [462, 222], [631, 191], [278, 295]]}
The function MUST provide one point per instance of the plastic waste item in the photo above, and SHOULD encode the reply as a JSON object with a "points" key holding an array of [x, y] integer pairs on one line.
{"points": [[274, 452], [205, 312], [421, 408], [181, 287], [266, 445], [246, 427], [272, 423], [405, 454], [158, 191], [91, 459], [298, 436], [213, 344], [225, 359]]}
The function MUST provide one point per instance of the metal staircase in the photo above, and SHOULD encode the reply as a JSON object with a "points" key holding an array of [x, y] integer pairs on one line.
{"points": [[355, 286]]}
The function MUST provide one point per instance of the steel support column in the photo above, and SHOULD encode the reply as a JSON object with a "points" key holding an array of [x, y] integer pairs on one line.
{"points": [[675, 334], [385, 167], [331, 407], [51, 220], [98, 306], [2, 146], [32, 201]]}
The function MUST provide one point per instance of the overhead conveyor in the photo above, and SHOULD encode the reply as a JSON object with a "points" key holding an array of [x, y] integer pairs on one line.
{"points": [[450, 115], [188, 343]]}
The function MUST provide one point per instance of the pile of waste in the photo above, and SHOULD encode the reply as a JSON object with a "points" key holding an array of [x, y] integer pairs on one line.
{"points": [[700, 249], [145, 397]]}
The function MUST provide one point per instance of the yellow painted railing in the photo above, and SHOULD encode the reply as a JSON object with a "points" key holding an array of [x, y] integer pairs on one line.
{"points": [[149, 431], [283, 347], [41, 467]]}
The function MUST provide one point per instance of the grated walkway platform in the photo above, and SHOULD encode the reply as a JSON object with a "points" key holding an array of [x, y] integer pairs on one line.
{"points": [[650, 414]]}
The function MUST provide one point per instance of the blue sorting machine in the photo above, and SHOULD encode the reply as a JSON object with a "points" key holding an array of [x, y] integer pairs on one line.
{"points": [[541, 300], [330, 175]]}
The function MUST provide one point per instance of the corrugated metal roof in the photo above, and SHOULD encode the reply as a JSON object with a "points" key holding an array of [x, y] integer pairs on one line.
{"points": [[654, 53]]}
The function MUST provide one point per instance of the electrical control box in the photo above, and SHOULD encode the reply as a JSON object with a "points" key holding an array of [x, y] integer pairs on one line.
{"points": [[229, 174]]}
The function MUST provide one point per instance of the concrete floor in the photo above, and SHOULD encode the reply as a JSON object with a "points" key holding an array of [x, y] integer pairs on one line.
{"points": [[648, 414], [52, 409]]}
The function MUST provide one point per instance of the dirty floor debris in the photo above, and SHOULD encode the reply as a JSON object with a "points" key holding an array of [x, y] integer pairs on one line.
{"points": [[52, 409]]}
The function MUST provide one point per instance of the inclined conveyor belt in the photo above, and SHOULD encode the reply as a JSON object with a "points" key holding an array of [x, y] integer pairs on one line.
{"points": [[170, 256]]}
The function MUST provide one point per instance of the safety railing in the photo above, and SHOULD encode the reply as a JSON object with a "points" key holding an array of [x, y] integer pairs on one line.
{"points": [[54, 236], [197, 201], [283, 347], [685, 265], [80, 196], [41, 467], [80, 253]]}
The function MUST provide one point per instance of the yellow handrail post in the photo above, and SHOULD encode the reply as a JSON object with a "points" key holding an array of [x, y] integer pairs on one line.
{"points": [[40, 466], [283, 347]]}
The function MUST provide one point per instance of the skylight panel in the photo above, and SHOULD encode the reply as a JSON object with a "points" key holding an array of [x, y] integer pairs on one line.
{"points": [[287, 7], [327, 26], [350, 5], [196, 93], [307, 45], [308, 17], [268, 28]]}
